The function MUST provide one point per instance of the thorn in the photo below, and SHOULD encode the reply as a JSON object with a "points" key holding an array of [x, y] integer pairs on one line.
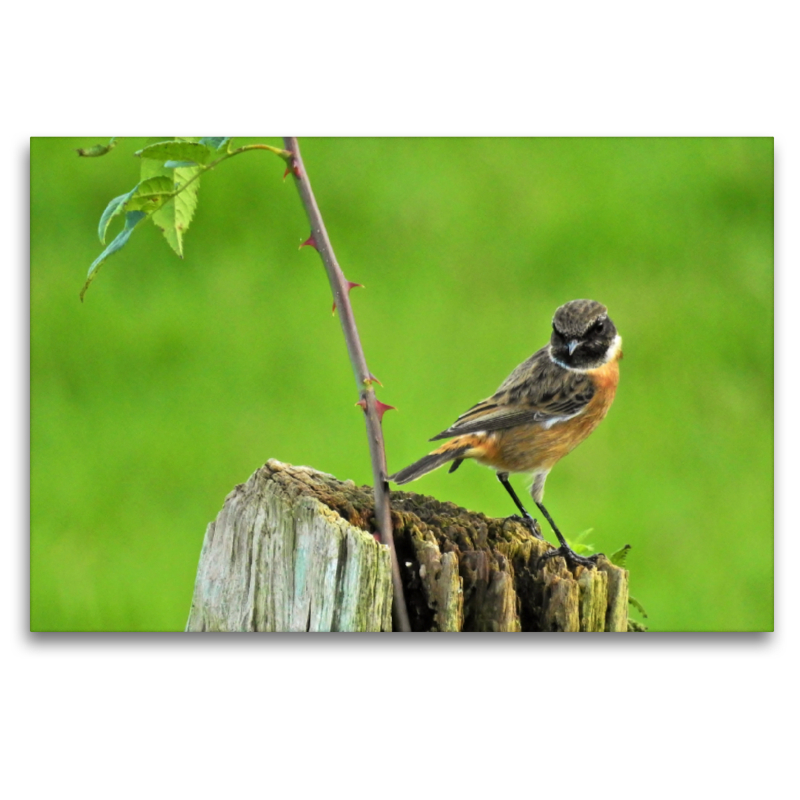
{"points": [[381, 408], [294, 169], [291, 164], [350, 287], [310, 242], [372, 379]]}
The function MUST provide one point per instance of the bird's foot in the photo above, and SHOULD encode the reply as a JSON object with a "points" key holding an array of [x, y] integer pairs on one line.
{"points": [[571, 557], [530, 523]]}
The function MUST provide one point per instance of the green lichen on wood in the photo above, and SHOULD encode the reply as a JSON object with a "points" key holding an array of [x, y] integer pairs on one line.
{"points": [[278, 559]]}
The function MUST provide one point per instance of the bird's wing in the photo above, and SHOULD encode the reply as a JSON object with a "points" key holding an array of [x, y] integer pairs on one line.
{"points": [[538, 390]]}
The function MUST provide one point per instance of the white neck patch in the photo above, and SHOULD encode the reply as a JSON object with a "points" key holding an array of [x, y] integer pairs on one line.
{"points": [[610, 355]]}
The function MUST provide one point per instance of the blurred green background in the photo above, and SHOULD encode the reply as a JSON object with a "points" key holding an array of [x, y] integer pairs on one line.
{"points": [[176, 379]]}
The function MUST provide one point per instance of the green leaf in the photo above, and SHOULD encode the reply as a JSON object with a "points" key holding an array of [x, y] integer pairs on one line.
{"points": [[619, 557], [215, 142], [146, 196], [150, 194], [159, 184], [174, 164], [637, 605], [177, 150], [174, 216], [132, 219], [578, 542], [98, 149], [115, 207]]}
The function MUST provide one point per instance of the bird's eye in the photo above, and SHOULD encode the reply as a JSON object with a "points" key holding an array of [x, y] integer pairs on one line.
{"points": [[597, 326]]}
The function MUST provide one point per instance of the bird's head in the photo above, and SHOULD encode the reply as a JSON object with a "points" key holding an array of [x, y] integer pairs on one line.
{"points": [[584, 337]]}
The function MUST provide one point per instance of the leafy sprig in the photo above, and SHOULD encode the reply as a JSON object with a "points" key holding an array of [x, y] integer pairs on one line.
{"points": [[167, 190]]}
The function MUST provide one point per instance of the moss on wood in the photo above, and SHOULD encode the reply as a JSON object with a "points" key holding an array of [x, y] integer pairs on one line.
{"points": [[294, 549]]}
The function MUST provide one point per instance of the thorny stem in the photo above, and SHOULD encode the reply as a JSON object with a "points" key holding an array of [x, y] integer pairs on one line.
{"points": [[341, 296]]}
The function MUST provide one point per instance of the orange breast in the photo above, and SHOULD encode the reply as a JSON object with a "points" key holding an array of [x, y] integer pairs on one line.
{"points": [[530, 448]]}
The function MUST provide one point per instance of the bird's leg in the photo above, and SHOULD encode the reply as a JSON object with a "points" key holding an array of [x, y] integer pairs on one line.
{"points": [[569, 555], [529, 520]]}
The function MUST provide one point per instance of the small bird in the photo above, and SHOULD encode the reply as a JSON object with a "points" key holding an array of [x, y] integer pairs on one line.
{"points": [[544, 409]]}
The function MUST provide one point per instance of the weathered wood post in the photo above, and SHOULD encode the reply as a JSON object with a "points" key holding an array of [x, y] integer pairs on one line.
{"points": [[293, 550]]}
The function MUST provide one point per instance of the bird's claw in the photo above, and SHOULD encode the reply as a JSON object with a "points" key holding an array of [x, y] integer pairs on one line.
{"points": [[571, 557], [530, 523]]}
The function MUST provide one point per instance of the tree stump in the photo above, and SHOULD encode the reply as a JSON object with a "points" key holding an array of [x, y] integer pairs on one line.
{"points": [[293, 550]]}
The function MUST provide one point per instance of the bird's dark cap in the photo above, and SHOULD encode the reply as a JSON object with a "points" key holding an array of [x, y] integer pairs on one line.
{"points": [[573, 319]]}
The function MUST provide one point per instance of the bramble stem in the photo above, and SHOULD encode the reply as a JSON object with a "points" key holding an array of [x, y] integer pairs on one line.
{"points": [[341, 296]]}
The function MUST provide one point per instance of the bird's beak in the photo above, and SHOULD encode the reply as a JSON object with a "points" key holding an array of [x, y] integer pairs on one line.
{"points": [[572, 346]]}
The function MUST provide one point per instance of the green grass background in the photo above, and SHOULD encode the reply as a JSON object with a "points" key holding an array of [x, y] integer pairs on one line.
{"points": [[176, 379]]}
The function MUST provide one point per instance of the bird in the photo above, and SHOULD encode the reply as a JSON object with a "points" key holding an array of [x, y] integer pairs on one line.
{"points": [[543, 410]]}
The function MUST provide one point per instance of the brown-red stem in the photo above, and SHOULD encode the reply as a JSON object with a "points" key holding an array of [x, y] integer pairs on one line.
{"points": [[341, 297]]}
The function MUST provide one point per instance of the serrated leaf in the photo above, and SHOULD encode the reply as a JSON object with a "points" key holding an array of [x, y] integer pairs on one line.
{"points": [[115, 207], [216, 142], [174, 216], [145, 196], [177, 150], [132, 219], [619, 557], [98, 149], [159, 184], [637, 605], [150, 195]]}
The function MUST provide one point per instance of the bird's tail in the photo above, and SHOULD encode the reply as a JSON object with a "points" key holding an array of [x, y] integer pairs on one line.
{"points": [[452, 451]]}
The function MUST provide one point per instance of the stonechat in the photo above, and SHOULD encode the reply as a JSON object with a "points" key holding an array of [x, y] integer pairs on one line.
{"points": [[544, 409]]}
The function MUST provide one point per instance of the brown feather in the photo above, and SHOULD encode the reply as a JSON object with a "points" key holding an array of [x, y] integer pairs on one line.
{"points": [[537, 391]]}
